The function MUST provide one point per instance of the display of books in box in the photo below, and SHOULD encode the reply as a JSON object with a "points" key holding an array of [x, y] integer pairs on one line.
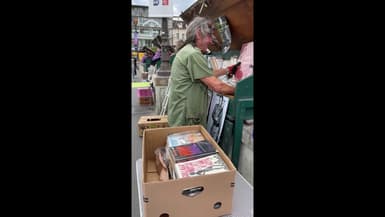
{"points": [[202, 166], [191, 151], [184, 138]]}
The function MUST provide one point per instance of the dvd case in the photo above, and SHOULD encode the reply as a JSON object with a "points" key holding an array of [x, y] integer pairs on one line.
{"points": [[184, 138], [191, 151], [202, 166]]}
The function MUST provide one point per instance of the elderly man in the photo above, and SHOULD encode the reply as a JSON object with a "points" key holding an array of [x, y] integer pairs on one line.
{"points": [[191, 77]]}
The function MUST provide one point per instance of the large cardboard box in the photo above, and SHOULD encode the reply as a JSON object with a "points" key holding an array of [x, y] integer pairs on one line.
{"points": [[145, 96], [146, 101], [163, 73], [165, 198], [153, 121]]}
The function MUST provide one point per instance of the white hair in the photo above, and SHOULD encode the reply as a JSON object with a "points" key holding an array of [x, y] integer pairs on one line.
{"points": [[204, 25]]}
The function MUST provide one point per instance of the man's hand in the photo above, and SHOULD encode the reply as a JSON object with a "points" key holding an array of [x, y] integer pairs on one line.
{"points": [[233, 69]]}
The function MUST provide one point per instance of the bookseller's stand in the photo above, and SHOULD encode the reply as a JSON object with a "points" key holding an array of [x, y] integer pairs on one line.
{"points": [[243, 197]]}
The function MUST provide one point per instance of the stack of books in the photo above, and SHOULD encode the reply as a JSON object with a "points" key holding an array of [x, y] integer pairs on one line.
{"points": [[191, 155]]}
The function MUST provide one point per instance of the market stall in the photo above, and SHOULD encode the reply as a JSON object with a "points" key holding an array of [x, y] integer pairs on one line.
{"points": [[238, 19], [192, 170]]}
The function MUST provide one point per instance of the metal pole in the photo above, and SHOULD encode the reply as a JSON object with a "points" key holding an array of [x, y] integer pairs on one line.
{"points": [[137, 44], [165, 57], [137, 38]]}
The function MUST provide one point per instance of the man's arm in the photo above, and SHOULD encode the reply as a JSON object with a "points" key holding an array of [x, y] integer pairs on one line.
{"points": [[219, 72], [218, 86], [230, 70]]}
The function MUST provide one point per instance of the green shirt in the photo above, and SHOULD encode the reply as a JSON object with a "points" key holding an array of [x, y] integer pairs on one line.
{"points": [[188, 99], [158, 62], [172, 59], [147, 63]]}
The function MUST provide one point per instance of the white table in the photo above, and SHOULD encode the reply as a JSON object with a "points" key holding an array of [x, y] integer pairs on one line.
{"points": [[243, 197]]}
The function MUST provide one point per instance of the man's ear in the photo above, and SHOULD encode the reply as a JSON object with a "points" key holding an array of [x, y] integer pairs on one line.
{"points": [[197, 34]]}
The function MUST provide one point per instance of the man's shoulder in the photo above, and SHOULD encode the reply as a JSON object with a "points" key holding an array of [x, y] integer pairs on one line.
{"points": [[189, 50]]}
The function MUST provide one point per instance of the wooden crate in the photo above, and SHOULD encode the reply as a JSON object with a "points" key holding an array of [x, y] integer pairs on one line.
{"points": [[146, 100], [154, 121]]}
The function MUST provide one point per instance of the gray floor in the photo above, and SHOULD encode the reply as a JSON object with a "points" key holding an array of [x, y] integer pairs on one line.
{"points": [[136, 146]]}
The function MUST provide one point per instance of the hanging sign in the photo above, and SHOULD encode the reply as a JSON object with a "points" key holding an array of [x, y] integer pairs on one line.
{"points": [[160, 8]]}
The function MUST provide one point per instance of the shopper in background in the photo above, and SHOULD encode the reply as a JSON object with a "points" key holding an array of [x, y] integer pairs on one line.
{"points": [[191, 77], [147, 58], [156, 58], [171, 53], [134, 65]]}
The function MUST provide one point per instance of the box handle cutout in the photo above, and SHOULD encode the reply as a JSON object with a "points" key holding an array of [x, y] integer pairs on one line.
{"points": [[192, 192], [164, 215], [153, 119], [217, 205]]}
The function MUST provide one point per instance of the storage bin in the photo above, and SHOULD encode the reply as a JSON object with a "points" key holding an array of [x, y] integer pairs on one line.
{"points": [[144, 92]]}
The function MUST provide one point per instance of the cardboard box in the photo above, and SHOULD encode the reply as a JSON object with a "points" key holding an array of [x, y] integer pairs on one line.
{"points": [[144, 75], [145, 96], [163, 73], [214, 196], [148, 122], [146, 101]]}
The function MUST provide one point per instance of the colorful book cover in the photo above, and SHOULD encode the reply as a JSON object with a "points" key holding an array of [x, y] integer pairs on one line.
{"points": [[184, 138], [202, 166], [192, 151]]}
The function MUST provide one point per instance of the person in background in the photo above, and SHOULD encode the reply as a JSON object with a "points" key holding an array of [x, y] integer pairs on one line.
{"points": [[191, 77], [147, 58], [135, 66], [171, 53], [156, 58]]}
